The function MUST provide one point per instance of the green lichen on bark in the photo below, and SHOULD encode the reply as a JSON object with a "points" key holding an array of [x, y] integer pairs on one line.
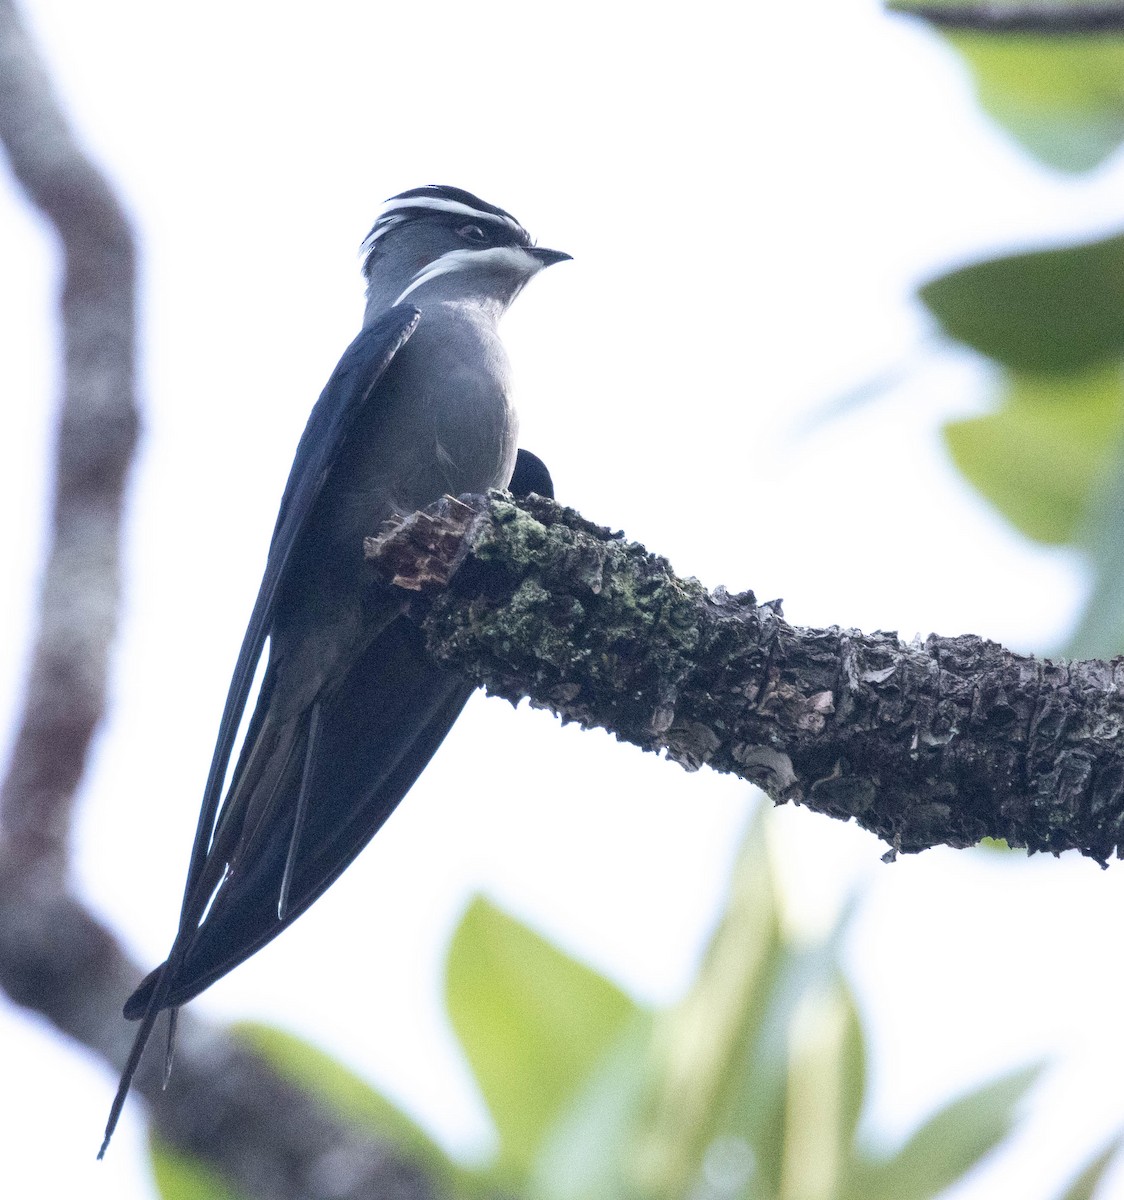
{"points": [[945, 741], [608, 647]]}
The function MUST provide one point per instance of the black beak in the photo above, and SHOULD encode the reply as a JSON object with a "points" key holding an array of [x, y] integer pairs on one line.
{"points": [[549, 257]]}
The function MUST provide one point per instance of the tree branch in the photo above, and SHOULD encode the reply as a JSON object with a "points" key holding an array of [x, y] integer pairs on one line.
{"points": [[65, 696], [223, 1104], [1047, 20], [941, 742]]}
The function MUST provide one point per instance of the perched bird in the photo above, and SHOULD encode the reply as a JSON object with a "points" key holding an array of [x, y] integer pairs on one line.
{"points": [[350, 710]]}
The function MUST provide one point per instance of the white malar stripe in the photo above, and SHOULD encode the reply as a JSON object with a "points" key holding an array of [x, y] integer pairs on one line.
{"points": [[514, 258], [450, 206]]}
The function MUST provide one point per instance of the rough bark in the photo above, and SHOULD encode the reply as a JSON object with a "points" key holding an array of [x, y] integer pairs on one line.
{"points": [[941, 742]]}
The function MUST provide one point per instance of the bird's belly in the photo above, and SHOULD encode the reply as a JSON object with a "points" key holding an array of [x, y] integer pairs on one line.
{"points": [[442, 423]]}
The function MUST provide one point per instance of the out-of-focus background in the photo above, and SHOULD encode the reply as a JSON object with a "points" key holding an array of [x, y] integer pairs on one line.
{"points": [[736, 370]]}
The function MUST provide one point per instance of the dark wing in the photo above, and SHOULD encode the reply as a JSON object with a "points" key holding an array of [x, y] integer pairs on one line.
{"points": [[530, 476], [375, 736], [358, 372]]}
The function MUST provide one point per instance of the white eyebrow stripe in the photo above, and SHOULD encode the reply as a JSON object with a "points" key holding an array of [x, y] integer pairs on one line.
{"points": [[513, 257], [382, 225], [450, 206]]}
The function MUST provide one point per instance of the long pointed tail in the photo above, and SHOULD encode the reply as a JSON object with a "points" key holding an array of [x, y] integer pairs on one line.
{"points": [[152, 1010], [327, 783]]}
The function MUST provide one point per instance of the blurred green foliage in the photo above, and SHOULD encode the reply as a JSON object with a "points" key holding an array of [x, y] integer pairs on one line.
{"points": [[181, 1177], [1062, 99], [532, 1022], [1049, 456], [751, 1087], [1057, 312], [1042, 456]]}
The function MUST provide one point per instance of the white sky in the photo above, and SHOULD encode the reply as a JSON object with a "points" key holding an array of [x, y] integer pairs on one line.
{"points": [[750, 194]]}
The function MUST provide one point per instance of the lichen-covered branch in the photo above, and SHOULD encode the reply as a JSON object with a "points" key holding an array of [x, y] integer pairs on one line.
{"points": [[1042, 19], [941, 742]]}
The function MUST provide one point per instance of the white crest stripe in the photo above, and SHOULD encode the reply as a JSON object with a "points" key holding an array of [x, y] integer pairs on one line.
{"points": [[449, 206]]}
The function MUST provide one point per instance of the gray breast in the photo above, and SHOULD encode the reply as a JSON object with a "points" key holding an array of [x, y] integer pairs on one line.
{"points": [[442, 422]]}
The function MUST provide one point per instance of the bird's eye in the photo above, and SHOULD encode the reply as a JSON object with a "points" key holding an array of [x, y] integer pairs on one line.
{"points": [[472, 233]]}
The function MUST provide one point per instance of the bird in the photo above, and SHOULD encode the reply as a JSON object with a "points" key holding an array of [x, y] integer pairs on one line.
{"points": [[350, 709]]}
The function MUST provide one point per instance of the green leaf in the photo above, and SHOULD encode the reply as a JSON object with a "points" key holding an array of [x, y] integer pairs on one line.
{"points": [[587, 1153], [1040, 459], [1043, 312], [1061, 98], [948, 1145], [1100, 631], [181, 1177], [532, 1021], [1084, 1186], [760, 1069], [823, 1094], [852, 1070], [720, 1058], [351, 1097]]}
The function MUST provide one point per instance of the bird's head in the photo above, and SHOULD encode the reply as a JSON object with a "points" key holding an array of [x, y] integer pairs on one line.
{"points": [[435, 244]]}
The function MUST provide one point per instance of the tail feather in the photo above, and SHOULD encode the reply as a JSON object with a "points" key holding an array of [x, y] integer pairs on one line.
{"points": [[376, 735], [377, 731]]}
